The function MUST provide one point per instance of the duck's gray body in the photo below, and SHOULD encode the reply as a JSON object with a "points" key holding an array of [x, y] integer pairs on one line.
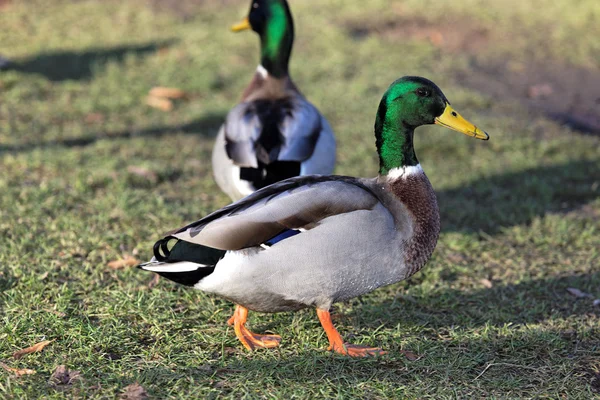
{"points": [[274, 134], [355, 235]]}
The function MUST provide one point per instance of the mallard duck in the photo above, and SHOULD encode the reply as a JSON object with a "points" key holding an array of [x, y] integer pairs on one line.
{"points": [[315, 240], [274, 133]]}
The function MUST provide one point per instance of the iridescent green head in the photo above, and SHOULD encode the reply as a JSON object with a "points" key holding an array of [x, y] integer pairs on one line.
{"points": [[272, 20], [408, 103]]}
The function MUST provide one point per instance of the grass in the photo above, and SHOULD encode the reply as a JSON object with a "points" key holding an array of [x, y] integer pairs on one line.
{"points": [[489, 316]]}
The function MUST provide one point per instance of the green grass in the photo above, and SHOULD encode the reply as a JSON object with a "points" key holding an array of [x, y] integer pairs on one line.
{"points": [[522, 210]]}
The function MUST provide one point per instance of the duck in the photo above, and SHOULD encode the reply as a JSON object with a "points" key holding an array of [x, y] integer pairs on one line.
{"points": [[274, 133], [315, 240]]}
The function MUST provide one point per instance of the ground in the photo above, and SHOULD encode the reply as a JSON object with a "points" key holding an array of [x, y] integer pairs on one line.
{"points": [[91, 174]]}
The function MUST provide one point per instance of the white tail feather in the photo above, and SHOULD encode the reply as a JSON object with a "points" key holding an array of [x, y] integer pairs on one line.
{"points": [[182, 266]]}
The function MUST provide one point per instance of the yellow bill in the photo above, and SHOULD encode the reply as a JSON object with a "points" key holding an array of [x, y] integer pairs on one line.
{"points": [[453, 120], [242, 25]]}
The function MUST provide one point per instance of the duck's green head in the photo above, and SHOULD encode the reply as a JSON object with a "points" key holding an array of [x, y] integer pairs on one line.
{"points": [[408, 103], [272, 20]]}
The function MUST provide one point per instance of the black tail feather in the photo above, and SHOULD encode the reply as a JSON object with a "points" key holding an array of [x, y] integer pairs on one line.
{"points": [[206, 257], [267, 174], [186, 251], [188, 278]]}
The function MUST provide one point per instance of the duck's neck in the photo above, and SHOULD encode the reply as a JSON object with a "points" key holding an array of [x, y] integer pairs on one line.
{"points": [[276, 42], [394, 140]]}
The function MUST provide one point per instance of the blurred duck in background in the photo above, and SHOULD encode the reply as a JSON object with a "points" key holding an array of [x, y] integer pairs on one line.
{"points": [[274, 133]]}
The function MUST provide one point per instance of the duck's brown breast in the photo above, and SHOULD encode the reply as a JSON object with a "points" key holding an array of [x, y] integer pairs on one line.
{"points": [[417, 195]]}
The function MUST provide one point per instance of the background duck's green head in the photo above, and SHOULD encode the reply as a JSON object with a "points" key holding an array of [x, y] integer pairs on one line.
{"points": [[408, 103], [272, 20]]}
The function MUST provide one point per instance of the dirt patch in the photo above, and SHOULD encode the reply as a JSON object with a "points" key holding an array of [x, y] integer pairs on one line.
{"points": [[567, 94], [564, 93], [452, 36]]}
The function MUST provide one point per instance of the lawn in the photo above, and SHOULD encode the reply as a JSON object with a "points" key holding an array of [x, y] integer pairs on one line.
{"points": [[89, 174]]}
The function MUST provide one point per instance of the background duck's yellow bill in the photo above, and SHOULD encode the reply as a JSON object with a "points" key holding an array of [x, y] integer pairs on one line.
{"points": [[242, 25], [453, 120]]}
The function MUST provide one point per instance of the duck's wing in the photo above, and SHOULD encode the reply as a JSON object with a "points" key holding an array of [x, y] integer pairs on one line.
{"points": [[296, 203], [263, 131], [300, 131]]}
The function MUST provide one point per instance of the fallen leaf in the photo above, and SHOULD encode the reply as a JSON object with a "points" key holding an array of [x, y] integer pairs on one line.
{"points": [[57, 313], [143, 172], [578, 293], [169, 93], [160, 103], [32, 349], [221, 384], [436, 38], [63, 376], [43, 276], [540, 90], [486, 283], [127, 261], [154, 281], [456, 258], [179, 309], [163, 51], [134, 392], [410, 355], [16, 371], [94, 117]]}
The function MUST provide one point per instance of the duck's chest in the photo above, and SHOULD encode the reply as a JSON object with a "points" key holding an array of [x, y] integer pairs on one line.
{"points": [[419, 210]]}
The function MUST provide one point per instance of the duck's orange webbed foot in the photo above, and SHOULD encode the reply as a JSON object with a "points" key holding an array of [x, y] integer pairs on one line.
{"points": [[354, 350], [337, 344], [249, 339], [231, 320]]}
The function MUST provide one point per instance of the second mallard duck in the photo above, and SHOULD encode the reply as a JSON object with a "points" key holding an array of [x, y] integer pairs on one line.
{"points": [[315, 240], [274, 133]]}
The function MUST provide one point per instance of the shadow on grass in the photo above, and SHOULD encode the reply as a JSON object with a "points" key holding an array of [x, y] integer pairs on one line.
{"points": [[80, 65], [206, 126], [456, 362], [7, 281], [532, 355], [523, 303], [516, 198], [436, 314]]}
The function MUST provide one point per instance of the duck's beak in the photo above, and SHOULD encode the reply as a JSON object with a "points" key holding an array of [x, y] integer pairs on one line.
{"points": [[242, 25], [453, 120]]}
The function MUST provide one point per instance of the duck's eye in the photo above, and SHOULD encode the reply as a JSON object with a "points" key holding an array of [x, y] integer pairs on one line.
{"points": [[255, 5], [423, 92]]}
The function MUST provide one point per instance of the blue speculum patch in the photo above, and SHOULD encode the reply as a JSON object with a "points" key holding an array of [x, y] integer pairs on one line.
{"points": [[282, 236]]}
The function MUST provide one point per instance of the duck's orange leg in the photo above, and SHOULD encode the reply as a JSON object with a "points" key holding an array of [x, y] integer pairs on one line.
{"points": [[249, 339], [336, 343]]}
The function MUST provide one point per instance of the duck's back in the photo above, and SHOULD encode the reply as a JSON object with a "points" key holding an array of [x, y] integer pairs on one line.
{"points": [[273, 134]]}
